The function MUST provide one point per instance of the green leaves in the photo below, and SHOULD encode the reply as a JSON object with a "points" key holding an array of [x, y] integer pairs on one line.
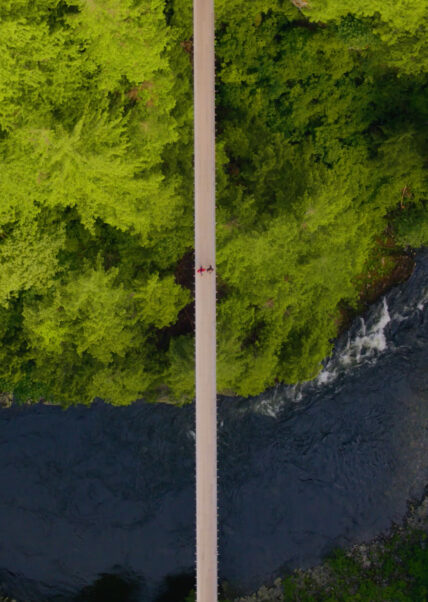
{"points": [[123, 40], [89, 313], [93, 313], [321, 142], [392, 570], [18, 249], [180, 375], [86, 92], [159, 300], [401, 26], [321, 118], [412, 227]]}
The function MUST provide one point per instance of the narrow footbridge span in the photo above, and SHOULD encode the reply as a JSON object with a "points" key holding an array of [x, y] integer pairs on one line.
{"points": [[205, 301]]}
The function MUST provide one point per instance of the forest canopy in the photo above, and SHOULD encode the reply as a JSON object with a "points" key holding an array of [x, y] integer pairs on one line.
{"points": [[321, 121]]}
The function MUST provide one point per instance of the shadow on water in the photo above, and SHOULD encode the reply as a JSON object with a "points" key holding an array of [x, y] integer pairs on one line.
{"points": [[110, 588], [302, 470], [176, 588]]}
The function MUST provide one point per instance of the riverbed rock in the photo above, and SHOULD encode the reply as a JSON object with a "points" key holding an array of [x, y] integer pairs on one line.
{"points": [[6, 400]]}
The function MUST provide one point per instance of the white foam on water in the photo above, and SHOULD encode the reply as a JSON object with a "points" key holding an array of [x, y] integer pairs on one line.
{"points": [[298, 397], [422, 301], [269, 405], [294, 392], [326, 376], [267, 408], [367, 343], [399, 318]]}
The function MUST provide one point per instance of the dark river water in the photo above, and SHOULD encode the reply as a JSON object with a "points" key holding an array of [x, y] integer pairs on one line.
{"points": [[100, 491]]}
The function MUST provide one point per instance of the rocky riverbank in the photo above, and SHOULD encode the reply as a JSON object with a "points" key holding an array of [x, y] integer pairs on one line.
{"points": [[368, 557]]}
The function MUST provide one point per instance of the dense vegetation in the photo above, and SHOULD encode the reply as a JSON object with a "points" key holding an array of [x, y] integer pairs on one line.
{"points": [[399, 574], [321, 150]]}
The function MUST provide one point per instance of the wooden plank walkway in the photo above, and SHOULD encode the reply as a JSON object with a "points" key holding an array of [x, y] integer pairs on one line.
{"points": [[205, 302]]}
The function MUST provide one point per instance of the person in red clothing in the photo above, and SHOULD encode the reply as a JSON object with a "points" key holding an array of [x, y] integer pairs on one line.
{"points": [[201, 270]]}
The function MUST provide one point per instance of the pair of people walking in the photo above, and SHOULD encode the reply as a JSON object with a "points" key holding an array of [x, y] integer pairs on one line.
{"points": [[202, 269]]}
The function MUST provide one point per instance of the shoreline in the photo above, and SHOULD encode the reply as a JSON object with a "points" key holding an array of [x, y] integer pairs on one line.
{"points": [[373, 285], [367, 554]]}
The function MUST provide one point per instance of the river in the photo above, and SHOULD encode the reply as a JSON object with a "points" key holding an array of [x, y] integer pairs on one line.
{"points": [[103, 490]]}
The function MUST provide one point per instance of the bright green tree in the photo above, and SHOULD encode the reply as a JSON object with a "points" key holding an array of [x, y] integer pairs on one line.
{"points": [[321, 147]]}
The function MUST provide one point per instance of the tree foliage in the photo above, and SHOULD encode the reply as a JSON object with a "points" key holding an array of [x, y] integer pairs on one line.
{"points": [[321, 145]]}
